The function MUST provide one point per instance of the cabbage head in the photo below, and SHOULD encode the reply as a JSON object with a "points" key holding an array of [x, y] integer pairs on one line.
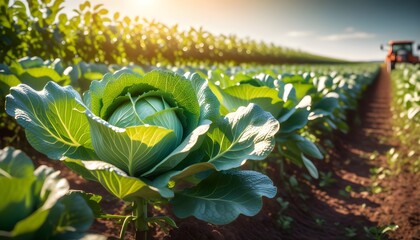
{"points": [[156, 136]]}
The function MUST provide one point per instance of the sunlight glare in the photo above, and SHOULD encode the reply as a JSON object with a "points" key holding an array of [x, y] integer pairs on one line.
{"points": [[144, 2]]}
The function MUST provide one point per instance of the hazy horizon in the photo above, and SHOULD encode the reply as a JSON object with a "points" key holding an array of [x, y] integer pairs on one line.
{"points": [[351, 30]]}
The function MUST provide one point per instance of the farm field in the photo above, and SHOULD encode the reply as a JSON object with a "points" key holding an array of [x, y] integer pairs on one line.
{"points": [[125, 128], [361, 186]]}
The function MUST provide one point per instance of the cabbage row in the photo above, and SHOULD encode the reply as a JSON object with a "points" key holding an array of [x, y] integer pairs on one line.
{"points": [[310, 103], [407, 83], [406, 108], [181, 135]]}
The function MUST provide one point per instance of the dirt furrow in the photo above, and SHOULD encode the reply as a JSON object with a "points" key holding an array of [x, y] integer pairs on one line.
{"points": [[343, 209]]}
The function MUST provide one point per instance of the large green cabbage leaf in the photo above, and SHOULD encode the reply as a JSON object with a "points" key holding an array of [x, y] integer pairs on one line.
{"points": [[220, 198], [53, 120]]}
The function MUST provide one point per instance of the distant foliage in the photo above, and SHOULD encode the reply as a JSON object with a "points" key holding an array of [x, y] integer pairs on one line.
{"points": [[91, 35]]}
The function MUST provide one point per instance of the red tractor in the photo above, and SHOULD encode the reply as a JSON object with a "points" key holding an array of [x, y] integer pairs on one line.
{"points": [[398, 52]]}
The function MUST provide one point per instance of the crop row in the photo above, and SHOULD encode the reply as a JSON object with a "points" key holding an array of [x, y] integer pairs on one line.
{"points": [[177, 136], [407, 81], [406, 108]]}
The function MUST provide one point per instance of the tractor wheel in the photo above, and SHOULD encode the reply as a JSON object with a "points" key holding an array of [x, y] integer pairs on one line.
{"points": [[390, 66]]}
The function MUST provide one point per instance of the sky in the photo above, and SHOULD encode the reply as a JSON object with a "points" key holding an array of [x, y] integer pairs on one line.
{"points": [[345, 29]]}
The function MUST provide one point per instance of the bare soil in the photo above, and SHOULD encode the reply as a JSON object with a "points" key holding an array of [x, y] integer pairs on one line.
{"points": [[340, 210]]}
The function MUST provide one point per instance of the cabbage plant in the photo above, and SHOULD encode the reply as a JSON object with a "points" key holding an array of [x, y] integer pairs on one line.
{"points": [[289, 103], [153, 138], [36, 203]]}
